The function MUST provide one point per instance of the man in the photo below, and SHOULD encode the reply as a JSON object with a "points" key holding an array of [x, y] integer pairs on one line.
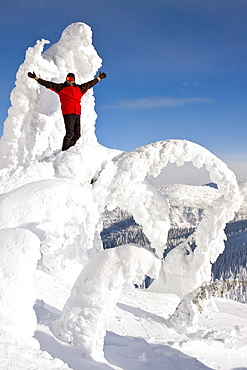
{"points": [[70, 95]]}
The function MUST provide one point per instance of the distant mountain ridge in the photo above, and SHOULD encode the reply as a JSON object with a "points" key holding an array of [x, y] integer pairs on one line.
{"points": [[188, 204], [193, 199]]}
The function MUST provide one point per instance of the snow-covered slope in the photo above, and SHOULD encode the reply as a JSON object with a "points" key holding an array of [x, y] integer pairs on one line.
{"points": [[139, 336], [88, 314]]}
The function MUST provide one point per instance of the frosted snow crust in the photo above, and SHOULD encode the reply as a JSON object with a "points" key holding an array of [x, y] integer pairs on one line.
{"points": [[50, 205]]}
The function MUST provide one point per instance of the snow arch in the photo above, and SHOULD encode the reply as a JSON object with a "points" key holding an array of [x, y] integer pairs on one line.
{"points": [[96, 292], [127, 186]]}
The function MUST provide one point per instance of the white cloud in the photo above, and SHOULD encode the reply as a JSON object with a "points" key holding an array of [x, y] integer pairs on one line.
{"points": [[158, 102]]}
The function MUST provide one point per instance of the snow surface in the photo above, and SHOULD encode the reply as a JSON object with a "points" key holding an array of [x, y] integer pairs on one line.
{"points": [[89, 315]]}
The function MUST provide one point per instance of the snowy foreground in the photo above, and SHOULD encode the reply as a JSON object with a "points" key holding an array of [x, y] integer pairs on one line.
{"points": [[65, 303], [138, 337]]}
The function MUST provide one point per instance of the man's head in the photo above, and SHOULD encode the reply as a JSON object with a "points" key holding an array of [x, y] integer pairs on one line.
{"points": [[70, 79]]}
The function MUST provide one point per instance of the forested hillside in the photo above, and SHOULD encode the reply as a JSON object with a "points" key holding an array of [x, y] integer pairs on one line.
{"points": [[188, 205]]}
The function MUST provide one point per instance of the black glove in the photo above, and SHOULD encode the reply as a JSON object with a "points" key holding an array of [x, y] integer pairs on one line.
{"points": [[31, 75], [102, 75]]}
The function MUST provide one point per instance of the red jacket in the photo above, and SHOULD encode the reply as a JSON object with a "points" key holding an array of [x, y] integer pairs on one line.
{"points": [[69, 95]]}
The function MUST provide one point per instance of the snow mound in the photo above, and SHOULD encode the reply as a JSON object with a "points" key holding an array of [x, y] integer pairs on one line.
{"points": [[63, 216]]}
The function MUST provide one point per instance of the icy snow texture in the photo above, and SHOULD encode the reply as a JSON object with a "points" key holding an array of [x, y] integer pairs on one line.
{"points": [[48, 192], [96, 292]]}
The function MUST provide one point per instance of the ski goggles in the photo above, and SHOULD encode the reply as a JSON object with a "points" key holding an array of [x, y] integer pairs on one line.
{"points": [[70, 79]]}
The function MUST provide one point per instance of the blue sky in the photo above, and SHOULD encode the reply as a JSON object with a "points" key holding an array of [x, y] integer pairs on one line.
{"points": [[176, 69]]}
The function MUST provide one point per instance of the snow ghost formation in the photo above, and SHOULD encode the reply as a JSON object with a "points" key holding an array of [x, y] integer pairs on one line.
{"points": [[93, 296], [48, 194], [33, 128]]}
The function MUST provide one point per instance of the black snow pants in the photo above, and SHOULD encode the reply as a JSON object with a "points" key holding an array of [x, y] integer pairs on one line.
{"points": [[73, 130]]}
